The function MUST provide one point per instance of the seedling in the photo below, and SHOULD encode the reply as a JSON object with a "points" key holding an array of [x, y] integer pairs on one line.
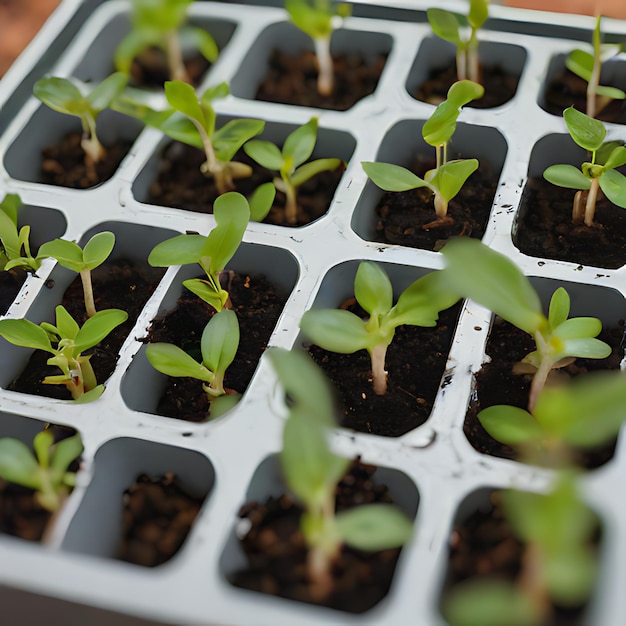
{"points": [[558, 563], [588, 66], [451, 26], [46, 471], [211, 252], [82, 260], [218, 345], [585, 414], [342, 331], [448, 177], [312, 472], [599, 173], [315, 18], [191, 120], [67, 342], [14, 245], [73, 97], [290, 163], [160, 24], [475, 271]]}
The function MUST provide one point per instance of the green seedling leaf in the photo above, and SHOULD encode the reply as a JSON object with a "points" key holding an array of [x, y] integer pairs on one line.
{"points": [[392, 177], [220, 341], [511, 425], [233, 135], [17, 463], [450, 177], [374, 527], [490, 603], [304, 383], [102, 95], [613, 184], [180, 250], [586, 131], [475, 271], [336, 330], [566, 176], [25, 334], [172, 361], [182, 97], [440, 127], [265, 153], [66, 325], [63, 454], [315, 17], [261, 201], [372, 289], [75, 258], [445, 25], [478, 13], [559, 308], [313, 168], [97, 327], [299, 145]]}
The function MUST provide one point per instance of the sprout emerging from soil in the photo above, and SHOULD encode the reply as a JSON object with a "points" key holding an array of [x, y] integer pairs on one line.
{"points": [[475, 271], [450, 26], [218, 345], [588, 66], [585, 414], [448, 177], [312, 472], [73, 97], [14, 245], [558, 563], [339, 330], [67, 342], [315, 18], [290, 163], [82, 260], [46, 471], [211, 252], [160, 24], [599, 173]]}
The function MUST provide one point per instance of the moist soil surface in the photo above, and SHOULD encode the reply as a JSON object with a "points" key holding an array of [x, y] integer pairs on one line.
{"points": [[276, 551], [258, 305], [158, 515], [408, 218], [64, 164], [485, 547], [118, 284], [150, 69], [566, 89], [500, 86], [10, 285], [292, 79], [497, 384], [416, 361], [180, 184], [545, 228]]}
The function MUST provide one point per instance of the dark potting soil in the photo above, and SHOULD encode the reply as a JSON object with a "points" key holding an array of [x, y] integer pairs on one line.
{"points": [[497, 384], [158, 515], [484, 546], [10, 284], [258, 305], [118, 284], [276, 551], [416, 360], [408, 218], [566, 89], [545, 228], [500, 86], [150, 69], [181, 184], [292, 79], [64, 164]]}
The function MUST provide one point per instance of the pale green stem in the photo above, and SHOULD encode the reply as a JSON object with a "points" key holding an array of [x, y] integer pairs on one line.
{"points": [[325, 77], [578, 208], [90, 305], [473, 63], [530, 581], [291, 198], [379, 374], [461, 63], [175, 57], [590, 206], [541, 375], [441, 205]]}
